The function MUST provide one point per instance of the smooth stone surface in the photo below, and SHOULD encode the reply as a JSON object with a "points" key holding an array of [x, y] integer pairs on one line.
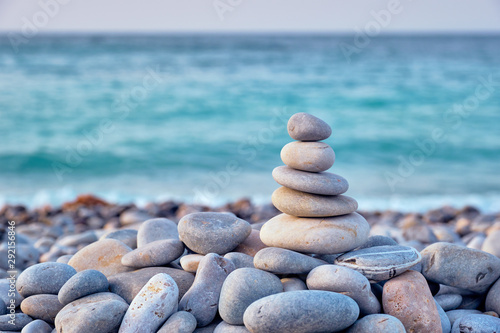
{"points": [[45, 278], [190, 262], [202, 299], [380, 263], [293, 284], [454, 315], [157, 253], [459, 266], [5, 290], [156, 229], [300, 312], [224, 327], [126, 236], [21, 321], [324, 183], [240, 260], [81, 284], [128, 285], [42, 306], [252, 244], [308, 156], [64, 259], [306, 127], [492, 243], [303, 204], [316, 235], [37, 326], [241, 288], [493, 298], [210, 232], [152, 306], [179, 322], [97, 313], [377, 323], [104, 255], [347, 282], [283, 261], [377, 240], [445, 321], [408, 298], [476, 323], [449, 301]]}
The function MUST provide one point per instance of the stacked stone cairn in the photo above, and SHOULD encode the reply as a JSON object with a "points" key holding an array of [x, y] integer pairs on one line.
{"points": [[312, 269]]}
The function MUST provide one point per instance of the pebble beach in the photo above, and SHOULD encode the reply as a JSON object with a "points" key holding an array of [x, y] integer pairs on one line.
{"points": [[308, 261]]}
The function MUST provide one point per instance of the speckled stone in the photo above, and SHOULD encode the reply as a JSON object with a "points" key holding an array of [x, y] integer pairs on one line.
{"points": [[347, 282], [128, 285], [459, 266], [21, 321], [45, 278], [408, 298], [252, 244], [157, 253], [202, 299], [97, 313], [300, 312], [156, 229], [377, 323], [81, 284], [190, 262], [283, 261], [293, 284], [152, 306], [324, 183], [308, 156], [127, 236], [303, 204], [42, 306], [210, 232], [240, 260], [179, 322], [380, 263], [445, 321], [454, 315], [316, 235], [493, 298], [476, 323], [104, 255], [306, 127], [37, 326], [224, 327], [449, 301], [243, 287]]}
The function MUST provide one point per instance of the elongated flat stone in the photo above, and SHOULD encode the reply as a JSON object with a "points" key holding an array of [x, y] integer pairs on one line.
{"points": [[301, 312], [377, 323], [308, 156], [329, 235], [380, 262], [157, 253], [283, 261], [324, 183], [303, 204]]}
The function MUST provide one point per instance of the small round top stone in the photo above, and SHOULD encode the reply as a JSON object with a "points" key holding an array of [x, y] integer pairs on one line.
{"points": [[306, 127]]}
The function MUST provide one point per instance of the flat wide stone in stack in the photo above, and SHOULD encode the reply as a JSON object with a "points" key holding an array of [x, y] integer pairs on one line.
{"points": [[317, 217]]}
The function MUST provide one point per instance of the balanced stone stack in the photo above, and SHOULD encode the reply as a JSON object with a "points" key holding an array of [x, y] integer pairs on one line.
{"points": [[317, 218]]}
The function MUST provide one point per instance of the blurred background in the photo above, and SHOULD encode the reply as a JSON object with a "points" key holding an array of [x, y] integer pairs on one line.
{"points": [[148, 101]]}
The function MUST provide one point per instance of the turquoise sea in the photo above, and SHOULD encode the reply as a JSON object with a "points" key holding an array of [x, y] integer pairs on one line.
{"points": [[416, 120]]}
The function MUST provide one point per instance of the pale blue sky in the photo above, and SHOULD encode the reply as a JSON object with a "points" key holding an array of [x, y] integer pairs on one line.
{"points": [[252, 15]]}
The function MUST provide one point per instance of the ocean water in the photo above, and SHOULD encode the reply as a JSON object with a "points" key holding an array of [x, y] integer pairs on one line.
{"points": [[202, 118]]}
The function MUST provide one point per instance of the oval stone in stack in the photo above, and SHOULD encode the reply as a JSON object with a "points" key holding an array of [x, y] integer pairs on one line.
{"points": [[306, 127], [329, 235], [304, 204], [324, 183], [308, 156]]}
